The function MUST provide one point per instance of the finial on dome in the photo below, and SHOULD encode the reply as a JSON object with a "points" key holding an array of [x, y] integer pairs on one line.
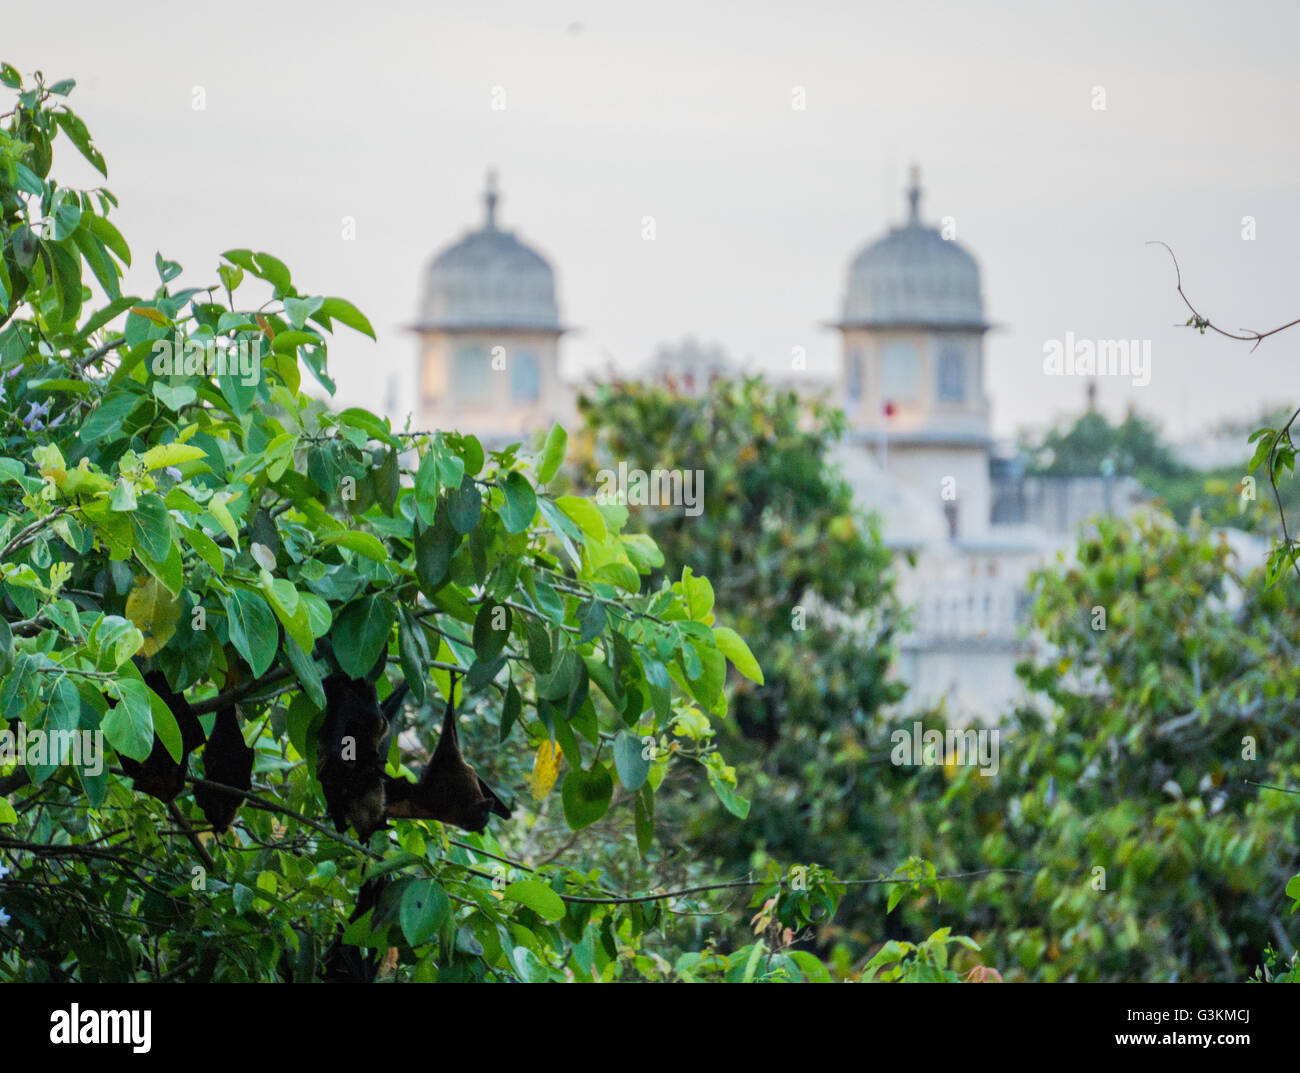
{"points": [[490, 200], [914, 195]]}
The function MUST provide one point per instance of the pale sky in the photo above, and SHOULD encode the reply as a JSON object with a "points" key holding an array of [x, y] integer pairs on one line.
{"points": [[682, 111]]}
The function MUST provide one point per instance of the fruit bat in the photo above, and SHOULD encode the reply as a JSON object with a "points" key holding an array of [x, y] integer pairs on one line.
{"points": [[352, 748], [158, 775], [227, 760], [449, 790]]}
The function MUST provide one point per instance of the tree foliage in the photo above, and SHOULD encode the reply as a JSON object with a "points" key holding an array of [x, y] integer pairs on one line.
{"points": [[809, 582], [165, 512], [1129, 796]]}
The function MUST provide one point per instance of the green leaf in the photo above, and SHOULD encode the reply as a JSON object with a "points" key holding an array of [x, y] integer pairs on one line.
{"points": [[206, 548], [253, 630], [520, 505], [67, 216], [427, 486], [463, 505], [360, 634], [510, 711], [539, 644], [67, 278], [733, 646], [165, 726], [722, 780], [6, 648], [304, 667], [538, 897], [414, 654], [373, 425], [586, 795], [151, 526], [128, 725], [110, 236], [424, 908], [585, 515], [106, 422], [633, 769], [488, 639], [591, 619], [363, 543], [63, 714], [75, 129], [699, 596], [342, 310], [557, 440], [122, 499], [434, 547]]}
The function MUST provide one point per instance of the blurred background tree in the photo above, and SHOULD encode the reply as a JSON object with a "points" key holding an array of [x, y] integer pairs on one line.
{"points": [[1091, 446], [1132, 759], [1124, 793]]}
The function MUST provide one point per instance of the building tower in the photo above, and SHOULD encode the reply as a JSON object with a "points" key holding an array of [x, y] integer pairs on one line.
{"points": [[913, 375], [489, 332]]}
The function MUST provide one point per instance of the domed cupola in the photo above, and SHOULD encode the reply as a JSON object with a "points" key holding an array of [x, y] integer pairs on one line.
{"points": [[913, 276], [489, 280]]}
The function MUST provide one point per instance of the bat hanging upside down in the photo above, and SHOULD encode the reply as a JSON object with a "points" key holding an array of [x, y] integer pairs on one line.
{"points": [[450, 789]]}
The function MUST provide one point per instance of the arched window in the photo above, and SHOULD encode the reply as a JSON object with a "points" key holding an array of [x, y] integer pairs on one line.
{"points": [[525, 376], [471, 375], [952, 375], [854, 385], [898, 373]]}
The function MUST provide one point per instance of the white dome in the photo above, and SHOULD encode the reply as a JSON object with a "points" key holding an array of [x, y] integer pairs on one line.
{"points": [[489, 279], [913, 276]]}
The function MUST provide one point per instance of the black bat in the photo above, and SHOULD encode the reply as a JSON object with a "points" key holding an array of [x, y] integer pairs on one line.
{"points": [[158, 775], [227, 760], [449, 790], [352, 748]]}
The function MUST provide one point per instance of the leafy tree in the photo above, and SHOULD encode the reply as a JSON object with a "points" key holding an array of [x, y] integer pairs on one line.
{"points": [[809, 582], [1222, 495], [1131, 798], [1093, 446], [216, 526]]}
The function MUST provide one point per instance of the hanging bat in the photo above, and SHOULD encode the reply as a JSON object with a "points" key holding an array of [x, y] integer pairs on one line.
{"points": [[352, 748], [158, 775], [449, 790], [227, 760]]}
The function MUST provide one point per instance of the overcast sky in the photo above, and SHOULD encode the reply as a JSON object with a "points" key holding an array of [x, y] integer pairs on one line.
{"points": [[683, 111]]}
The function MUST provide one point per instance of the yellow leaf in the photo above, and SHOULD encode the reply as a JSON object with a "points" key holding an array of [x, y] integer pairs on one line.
{"points": [[83, 481], [155, 613], [171, 454], [546, 769], [50, 462], [149, 313]]}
